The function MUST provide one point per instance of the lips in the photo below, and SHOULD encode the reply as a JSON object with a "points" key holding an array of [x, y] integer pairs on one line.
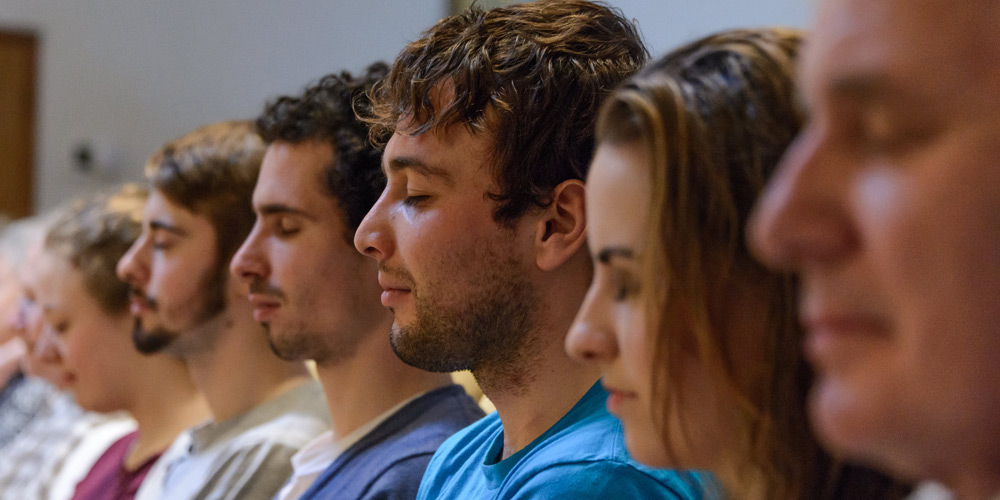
{"points": [[138, 305], [835, 340], [617, 397], [394, 290], [265, 307]]}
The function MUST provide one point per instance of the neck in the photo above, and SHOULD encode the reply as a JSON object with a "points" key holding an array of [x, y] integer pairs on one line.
{"points": [[536, 390], [239, 371], [536, 394], [166, 403], [371, 382]]}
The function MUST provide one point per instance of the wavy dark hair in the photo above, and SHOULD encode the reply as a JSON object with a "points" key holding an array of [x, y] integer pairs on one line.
{"points": [[714, 117], [530, 76], [329, 111]]}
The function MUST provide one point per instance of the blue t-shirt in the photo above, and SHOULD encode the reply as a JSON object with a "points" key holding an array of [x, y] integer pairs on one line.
{"points": [[388, 462], [582, 456]]}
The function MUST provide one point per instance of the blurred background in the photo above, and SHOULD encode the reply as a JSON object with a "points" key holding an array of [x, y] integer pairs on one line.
{"points": [[89, 89]]}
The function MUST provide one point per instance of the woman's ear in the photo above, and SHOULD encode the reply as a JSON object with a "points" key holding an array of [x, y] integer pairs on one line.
{"points": [[562, 228]]}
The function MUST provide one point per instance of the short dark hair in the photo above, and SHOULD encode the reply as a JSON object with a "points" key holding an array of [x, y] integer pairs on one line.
{"points": [[212, 171], [327, 111], [533, 75]]}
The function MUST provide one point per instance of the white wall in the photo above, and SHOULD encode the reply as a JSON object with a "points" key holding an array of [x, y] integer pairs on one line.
{"points": [[668, 23], [132, 74]]}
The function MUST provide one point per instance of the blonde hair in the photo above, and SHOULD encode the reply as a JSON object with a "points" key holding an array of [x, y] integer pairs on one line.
{"points": [[93, 234], [715, 116]]}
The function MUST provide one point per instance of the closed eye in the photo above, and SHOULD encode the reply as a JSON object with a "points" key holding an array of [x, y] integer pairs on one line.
{"points": [[413, 201]]}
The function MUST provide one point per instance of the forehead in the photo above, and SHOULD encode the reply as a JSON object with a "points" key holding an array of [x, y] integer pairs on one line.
{"points": [[292, 170], [53, 275], [928, 45], [161, 210], [454, 148], [618, 194]]}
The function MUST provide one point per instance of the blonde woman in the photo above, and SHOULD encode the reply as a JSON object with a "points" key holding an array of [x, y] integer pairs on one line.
{"points": [[698, 343], [85, 313]]}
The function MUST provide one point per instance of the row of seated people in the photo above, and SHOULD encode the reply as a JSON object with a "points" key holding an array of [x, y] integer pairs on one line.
{"points": [[522, 195]]}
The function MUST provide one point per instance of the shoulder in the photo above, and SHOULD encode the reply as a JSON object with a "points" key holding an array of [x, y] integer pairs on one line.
{"points": [[399, 480], [427, 422], [610, 479], [472, 440]]}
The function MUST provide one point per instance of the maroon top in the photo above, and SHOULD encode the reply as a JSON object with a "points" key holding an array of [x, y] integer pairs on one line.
{"points": [[108, 479]]}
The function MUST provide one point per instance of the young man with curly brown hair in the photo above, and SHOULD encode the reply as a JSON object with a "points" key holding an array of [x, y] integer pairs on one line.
{"points": [[480, 240]]}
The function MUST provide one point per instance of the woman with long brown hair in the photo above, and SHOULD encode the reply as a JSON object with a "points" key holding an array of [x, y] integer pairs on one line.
{"points": [[699, 344]]}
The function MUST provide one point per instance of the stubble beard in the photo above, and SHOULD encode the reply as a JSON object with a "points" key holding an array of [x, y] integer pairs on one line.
{"points": [[488, 327]]}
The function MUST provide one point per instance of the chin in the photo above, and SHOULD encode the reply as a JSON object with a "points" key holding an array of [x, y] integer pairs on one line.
{"points": [[647, 447], [841, 421]]}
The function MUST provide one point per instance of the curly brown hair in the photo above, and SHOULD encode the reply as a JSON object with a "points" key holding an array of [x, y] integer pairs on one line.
{"points": [[715, 116], [327, 111], [532, 76]]}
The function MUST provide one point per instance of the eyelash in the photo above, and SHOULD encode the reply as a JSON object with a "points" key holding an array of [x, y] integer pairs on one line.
{"points": [[284, 229], [625, 287], [412, 201]]}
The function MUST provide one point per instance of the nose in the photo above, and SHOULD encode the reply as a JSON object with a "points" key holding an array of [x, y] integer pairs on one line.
{"points": [[374, 235], [591, 338], [133, 267], [803, 216], [249, 263]]}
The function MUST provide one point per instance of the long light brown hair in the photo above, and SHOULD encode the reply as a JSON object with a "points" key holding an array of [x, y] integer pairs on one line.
{"points": [[715, 117]]}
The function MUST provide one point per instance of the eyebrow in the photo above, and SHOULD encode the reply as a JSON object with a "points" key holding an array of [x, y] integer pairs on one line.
{"points": [[608, 253], [415, 164], [282, 209], [157, 225]]}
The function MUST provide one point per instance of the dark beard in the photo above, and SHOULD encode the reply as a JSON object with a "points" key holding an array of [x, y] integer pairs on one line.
{"points": [[151, 342], [489, 330], [159, 339]]}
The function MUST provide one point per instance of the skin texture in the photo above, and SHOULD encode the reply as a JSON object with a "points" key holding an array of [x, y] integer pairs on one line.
{"points": [[612, 328], [9, 297], [888, 207], [315, 293], [172, 269], [96, 347], [41, 357], [318, 297], [455, 279], [470, 293]]}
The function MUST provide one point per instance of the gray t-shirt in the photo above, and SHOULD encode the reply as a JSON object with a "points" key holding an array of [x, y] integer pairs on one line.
{"points": [[246, 457]]}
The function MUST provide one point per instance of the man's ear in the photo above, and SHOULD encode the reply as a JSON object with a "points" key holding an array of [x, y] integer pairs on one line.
{"points": [[562, 227]]}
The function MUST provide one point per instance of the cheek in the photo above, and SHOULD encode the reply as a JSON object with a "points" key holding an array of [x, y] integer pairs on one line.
{"points": [[636, 347]]}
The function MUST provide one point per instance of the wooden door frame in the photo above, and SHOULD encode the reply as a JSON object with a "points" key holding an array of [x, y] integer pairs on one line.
{"points": [[30, 40]]}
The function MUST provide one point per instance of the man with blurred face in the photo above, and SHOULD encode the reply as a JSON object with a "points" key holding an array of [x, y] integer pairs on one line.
{"points": [[479, 237], [888, 208], [319, 299], [263, 408]]}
